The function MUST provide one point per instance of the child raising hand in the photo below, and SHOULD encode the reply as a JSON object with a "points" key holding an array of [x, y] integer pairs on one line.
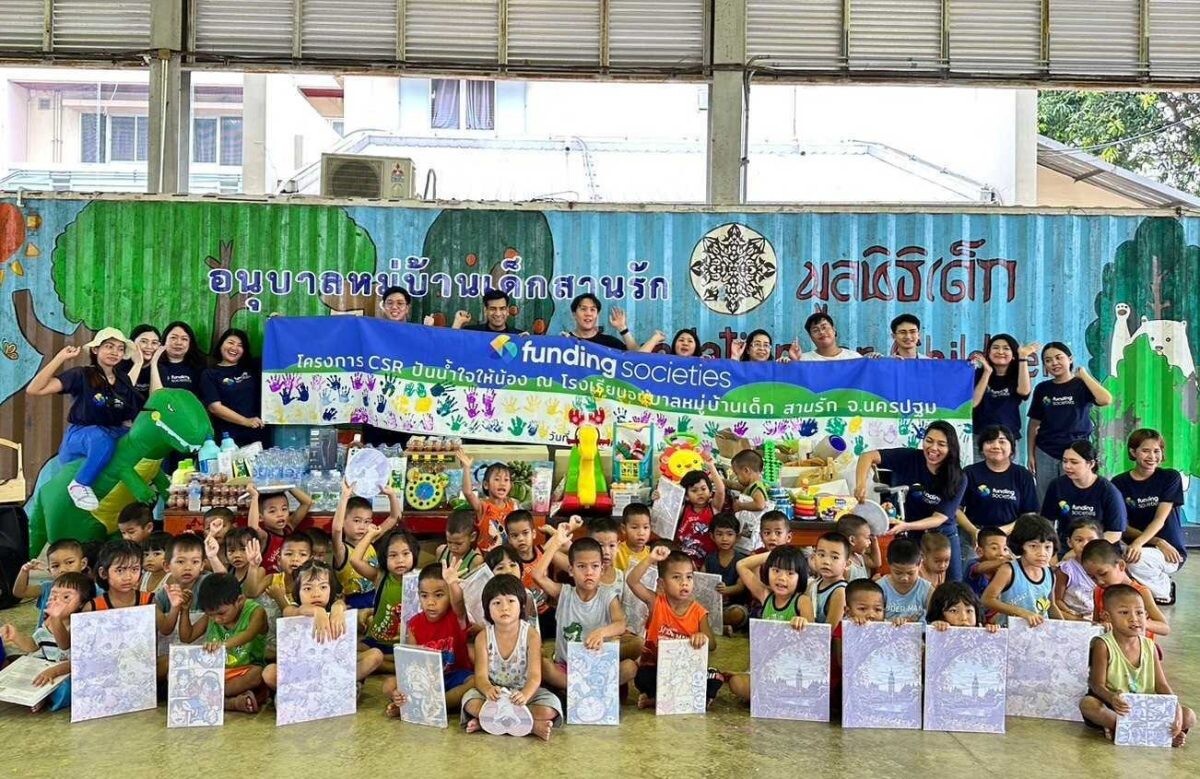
{"points": [[493, 504]]}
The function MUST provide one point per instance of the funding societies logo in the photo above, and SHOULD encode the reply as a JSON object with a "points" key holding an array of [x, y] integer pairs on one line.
{"points": [[504, 348]]}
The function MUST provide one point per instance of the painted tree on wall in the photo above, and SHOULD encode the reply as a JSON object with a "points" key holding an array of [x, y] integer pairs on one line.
{"points": [[470, 242], [124, 262]]}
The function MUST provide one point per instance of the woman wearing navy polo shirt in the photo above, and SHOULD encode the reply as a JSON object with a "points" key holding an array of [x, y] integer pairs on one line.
{"points": [[230, 389], [1060, 412], [103, 406], [183, 363], [998, 490], [1153, 497], [935, 477], [1001, 385], [1082, 493]]}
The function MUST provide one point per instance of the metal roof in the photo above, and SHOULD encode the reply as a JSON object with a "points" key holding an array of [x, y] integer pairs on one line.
{"points": [[1081, 166]]}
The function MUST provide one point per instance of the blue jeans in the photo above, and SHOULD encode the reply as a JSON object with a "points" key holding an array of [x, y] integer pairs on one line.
{"points": [[1048, 469], [94, 445]]}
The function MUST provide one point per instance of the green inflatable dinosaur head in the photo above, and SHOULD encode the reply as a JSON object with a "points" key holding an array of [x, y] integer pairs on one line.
{"points": [[172, 420]]}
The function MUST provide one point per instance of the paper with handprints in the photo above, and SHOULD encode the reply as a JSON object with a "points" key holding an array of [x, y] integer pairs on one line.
{"points": [[1149, 723], [316, 680], [195, 687], [592, 689], [789, 671], [1048, 668], [419, 677], [965, 673], [881, 675], [682, 677], [112, 662]]}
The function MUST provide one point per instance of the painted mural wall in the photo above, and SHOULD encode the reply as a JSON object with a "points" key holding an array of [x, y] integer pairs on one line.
{"points": [[1120, 289]]}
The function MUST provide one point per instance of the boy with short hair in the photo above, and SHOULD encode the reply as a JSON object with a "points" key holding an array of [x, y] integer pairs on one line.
{"points": [[991, 551], [185, 568], [865, 602], [136, 522], [604, 530], [674, 613], [906, 593], [865, 557], [774, 529], [635, 526], [268, 516], [351, 521], [748, 468], [1124, 660], [64, 556], [154, 560], [935, 557], [723, 562], [518, 526], [50, 641], [825, 599], [218, 521], [1104, 563], [588, 610], [237, 623]]}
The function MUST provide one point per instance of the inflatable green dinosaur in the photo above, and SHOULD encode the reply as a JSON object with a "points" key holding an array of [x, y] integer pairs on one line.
{"points": [[171, 421]]}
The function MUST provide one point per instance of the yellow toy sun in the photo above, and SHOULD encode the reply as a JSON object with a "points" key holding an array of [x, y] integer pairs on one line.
{"points": [[682, 455]]}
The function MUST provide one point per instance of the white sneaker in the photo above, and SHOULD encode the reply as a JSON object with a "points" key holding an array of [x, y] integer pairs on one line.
{"points": [[83, 496]]}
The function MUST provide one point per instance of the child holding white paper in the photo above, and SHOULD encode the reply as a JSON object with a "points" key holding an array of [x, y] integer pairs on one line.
{"points": [[319, 595], [955, 605], [237, 623], [508, 660], [704, 496], [775, 579], [399, 550], [50, 640], [1124, 660]]}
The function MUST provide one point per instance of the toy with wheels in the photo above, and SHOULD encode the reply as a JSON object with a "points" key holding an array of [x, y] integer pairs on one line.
{"points": [[172, 420], [586, 489], [682, 455]]}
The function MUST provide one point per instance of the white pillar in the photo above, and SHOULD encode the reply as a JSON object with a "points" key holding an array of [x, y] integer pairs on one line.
{"points": [[1026, 140], [727, 105], [254, 134]]}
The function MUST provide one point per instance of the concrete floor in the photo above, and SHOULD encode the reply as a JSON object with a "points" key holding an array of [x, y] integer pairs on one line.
{"points": [[725, 742]]}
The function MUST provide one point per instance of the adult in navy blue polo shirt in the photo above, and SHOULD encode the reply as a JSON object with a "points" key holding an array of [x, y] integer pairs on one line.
{"points": [[179, 363], [146, 341], [1001, 385], [231, 389], [1153, 500], [1081, 493], [998, 490], [936, 484], [1060, 412]]}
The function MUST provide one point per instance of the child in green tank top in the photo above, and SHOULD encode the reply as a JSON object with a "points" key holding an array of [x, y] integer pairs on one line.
{"points": [[776, 579]]}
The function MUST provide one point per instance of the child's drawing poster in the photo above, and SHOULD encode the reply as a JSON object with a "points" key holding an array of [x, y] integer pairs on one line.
{"points": [[682, 677], [419, 677], [708, 597], [195, 687], [881, 675], [965, 671], [637, 613], [592, 689], [316, 679], [1048, 668], [789, 671], [112, 662], [410, 601], [666, 509], [1149, 722], [472, 590]]}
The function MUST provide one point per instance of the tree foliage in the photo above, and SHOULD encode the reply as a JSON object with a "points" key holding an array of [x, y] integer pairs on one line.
{"points": [[1168, 123]]}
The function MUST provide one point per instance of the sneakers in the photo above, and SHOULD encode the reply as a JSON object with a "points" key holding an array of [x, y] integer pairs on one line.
{"points": [[83, 496]]}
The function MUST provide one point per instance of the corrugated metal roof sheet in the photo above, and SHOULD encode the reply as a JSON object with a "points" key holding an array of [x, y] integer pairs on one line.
{"points": [[1082, 166]]}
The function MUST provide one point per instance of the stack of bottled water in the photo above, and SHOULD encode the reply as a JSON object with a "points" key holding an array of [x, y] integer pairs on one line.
{"points": [[325, 489], [280, 466]]}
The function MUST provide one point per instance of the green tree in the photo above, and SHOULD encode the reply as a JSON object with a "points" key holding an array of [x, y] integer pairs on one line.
{"points": [[124, 262], [1156, 134], [471, 241]]}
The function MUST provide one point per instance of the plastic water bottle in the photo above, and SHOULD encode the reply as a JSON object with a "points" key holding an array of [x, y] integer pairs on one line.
{"points": [[209, 454], [227, 444], [316, 489], [225, 458], [333, 490], [194, 494]]}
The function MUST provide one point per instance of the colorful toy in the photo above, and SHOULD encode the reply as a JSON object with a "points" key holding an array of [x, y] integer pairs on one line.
{"points": [[432, 480], [771, 464], [425, 491], [681, 456], [632, 444], [586, 489], [171, 421]]}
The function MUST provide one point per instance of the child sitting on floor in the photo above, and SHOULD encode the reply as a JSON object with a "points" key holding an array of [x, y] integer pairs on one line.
{"points": [[635, 526], [233, 621], [905, 592], [351, 521], [185, 572], [955, 605], [268, 516], [1124, 660], [64, 556], [825, 600], [441, 626], [723, 562], [502, 560], [588, 611], [674, 613], [1106, 567], [523, 539], [136, 522], [461, 535], [865, 556], [318, 592], [399, 550], [493, 504], [1074, 590], [775, 579], [154, 560], [935, 557], [51, 638], [508, 660], [774, 529], [119, 569], [1025, 587]]}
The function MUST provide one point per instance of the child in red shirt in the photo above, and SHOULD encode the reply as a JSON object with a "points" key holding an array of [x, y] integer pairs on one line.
{"points": [[705, 494]]}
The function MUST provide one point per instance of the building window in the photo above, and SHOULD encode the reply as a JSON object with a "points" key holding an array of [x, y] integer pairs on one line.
{"points": [[459, 104], [104, 138], [217, 138]]}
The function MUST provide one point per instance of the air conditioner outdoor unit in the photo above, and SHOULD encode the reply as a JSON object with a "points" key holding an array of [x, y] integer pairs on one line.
{"points": [[355, 175]]}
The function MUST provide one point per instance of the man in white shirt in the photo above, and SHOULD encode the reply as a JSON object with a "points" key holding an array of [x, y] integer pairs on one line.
{"points": [[906, 337], [824, 337]]}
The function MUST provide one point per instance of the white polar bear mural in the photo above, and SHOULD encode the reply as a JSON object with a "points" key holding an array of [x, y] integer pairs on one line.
{"points": [[1167, 337]]}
